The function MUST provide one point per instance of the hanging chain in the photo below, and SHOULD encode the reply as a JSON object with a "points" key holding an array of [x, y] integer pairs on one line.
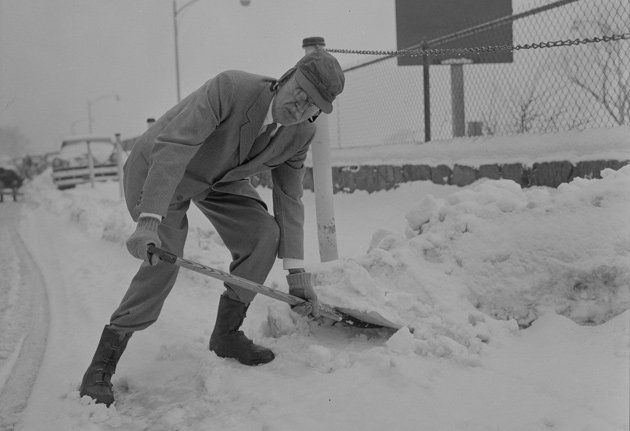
{"points": [[482, 49]]}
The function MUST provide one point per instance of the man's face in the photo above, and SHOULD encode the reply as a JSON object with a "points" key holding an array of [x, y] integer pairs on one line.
{"points": [[292, 105]]}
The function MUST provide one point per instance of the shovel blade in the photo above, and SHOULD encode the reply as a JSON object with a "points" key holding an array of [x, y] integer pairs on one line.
{"points": [[365, 319]]}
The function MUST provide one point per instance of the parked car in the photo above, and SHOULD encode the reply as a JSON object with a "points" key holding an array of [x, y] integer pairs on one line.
{"points": [[9, 177], [10, 181], [71, 166]]}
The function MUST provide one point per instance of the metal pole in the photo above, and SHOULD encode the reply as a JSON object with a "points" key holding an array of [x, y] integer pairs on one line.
{"points": [[427, 94], [119, 163], [90, 163], [458, 113], [322, 177], [176, 12], [90, 120], [176, 50], [89, 108]]}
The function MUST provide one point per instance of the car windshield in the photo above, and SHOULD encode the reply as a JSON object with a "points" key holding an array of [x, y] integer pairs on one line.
{"points": [[101, 151]]}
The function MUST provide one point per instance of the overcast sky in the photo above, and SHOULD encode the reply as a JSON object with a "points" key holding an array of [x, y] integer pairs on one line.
{"points": [[56, 55]]}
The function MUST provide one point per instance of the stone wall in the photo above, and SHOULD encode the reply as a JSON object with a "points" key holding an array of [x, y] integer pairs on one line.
{"points": [[372, 178]]}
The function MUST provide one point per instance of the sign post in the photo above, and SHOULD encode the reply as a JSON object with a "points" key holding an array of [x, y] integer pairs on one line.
{"points": [[458, 108]]}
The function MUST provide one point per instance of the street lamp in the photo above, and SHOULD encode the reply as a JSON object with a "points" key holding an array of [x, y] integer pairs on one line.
{"points": [[90, 122], [176, 12], [91, 102]]}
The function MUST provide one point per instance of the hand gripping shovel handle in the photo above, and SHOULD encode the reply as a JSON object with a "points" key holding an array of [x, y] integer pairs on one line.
{"points": [[324, 310]]}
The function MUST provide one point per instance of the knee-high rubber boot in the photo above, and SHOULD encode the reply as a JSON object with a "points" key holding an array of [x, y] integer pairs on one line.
{"points": [[96, 381], [228, 342]]}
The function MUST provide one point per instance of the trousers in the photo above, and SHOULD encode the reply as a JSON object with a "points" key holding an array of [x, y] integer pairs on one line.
{"points": [[249, 232]]}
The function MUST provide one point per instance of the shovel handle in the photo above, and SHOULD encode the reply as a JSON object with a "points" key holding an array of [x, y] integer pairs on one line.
{"points": [[324, 310], [162, 254], [337, 314]]}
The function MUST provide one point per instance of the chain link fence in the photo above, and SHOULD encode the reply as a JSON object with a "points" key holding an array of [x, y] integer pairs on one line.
{"points": [[570, 70]]}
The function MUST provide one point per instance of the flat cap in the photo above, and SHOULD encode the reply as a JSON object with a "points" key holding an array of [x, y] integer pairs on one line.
{"points": [[321, 77]]}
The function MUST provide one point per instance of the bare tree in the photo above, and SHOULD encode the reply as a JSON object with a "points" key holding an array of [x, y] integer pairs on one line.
{"points": [[602, 70], [527, 108], [526, 111], [539, 109]]}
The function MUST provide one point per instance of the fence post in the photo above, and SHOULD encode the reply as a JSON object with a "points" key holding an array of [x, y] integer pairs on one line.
{"points": [[322, 176], [458, 111], [427, 93]]}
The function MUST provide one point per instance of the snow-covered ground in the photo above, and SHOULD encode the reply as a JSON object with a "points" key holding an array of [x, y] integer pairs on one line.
{"points": [[518, 298]]}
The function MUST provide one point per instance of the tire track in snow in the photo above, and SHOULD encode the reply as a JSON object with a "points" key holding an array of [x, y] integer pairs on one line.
{"points": [[29, 317]]}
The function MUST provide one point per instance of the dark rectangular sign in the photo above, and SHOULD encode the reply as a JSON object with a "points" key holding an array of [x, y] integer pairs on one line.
{"points": [[419, 20]]}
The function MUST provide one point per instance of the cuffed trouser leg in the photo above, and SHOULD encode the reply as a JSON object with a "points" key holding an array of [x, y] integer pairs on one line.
{"points": [[149, 288], [249, 232]]}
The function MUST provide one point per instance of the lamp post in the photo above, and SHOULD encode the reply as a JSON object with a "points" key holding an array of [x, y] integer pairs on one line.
{"points": [[176, 12], [91, 103]]}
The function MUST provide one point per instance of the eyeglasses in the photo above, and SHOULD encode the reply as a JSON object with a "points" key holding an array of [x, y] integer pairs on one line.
{"points": [[304, 105]]}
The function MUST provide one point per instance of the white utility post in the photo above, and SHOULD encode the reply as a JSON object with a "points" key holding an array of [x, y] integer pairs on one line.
{"points": [[322, 176]]}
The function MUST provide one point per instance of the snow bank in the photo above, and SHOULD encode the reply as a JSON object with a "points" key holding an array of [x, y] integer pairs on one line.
{"points": [[490, 253], [491, 257], [472, 266]]}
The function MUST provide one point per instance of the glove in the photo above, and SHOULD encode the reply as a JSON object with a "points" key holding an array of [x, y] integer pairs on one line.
{"points": [[145, 234], [300, 286]]}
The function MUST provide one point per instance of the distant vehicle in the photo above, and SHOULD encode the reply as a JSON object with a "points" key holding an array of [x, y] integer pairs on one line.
{"points": [[10, 181], [9, 177], [71, 166]]}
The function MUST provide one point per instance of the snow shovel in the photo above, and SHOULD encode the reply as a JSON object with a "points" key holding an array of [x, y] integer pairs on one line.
{"points": [[357, 319]]}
